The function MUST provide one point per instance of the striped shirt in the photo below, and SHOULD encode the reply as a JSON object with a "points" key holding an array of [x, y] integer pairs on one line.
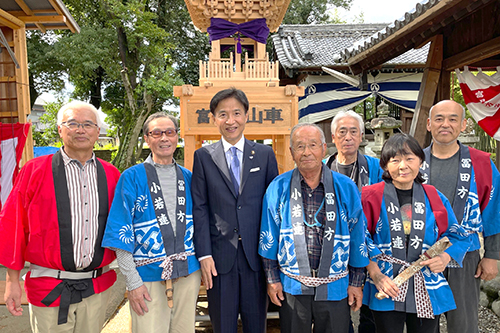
{"points": [[84, 205]]}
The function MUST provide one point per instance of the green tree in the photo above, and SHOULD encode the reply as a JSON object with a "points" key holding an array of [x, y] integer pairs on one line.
{"points": [[48, 121], [312, 11], [126, 59]]}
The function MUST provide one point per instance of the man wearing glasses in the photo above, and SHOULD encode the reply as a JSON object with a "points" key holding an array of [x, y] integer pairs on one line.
{"points": [[150, 226], [54, 218], [312, 236]]}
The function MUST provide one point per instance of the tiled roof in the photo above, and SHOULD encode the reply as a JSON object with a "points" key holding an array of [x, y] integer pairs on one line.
{"points": [[410, 16], [312, 46]]}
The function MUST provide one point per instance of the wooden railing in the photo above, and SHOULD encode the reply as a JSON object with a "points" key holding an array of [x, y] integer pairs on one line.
{"points": [[253, 69], [217, 68], [261, 68]]}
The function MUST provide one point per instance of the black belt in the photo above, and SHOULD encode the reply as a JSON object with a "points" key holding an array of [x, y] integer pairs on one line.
{"points": [[71, 291]]}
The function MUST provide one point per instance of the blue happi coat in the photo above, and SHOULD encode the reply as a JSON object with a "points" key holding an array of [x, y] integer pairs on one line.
{"points": [[482, 208], [440, 294], [276, 238], [132, 224], [374, 170]]}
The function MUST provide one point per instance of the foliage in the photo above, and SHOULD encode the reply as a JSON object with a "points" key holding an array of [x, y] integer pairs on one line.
{"points": [[126, 60], [312, 11], [48, 120]]}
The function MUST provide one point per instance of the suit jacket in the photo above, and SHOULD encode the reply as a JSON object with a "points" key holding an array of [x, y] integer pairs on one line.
{"points": [[221, 215]]}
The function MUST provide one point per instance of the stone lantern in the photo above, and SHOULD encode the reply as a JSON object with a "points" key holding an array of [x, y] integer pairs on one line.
{"points": [[383, 127]]}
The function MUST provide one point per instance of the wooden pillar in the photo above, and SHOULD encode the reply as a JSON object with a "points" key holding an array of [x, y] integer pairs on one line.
{"points": [[444, 86], [22, 89], [189, 148], [428, 89]]}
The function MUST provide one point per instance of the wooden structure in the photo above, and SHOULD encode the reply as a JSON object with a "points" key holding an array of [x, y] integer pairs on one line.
{"points": [[273, 108], [16, 16], [460, 32]]}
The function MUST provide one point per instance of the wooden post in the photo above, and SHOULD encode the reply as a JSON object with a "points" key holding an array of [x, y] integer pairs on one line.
{"points": [[428, 89]]}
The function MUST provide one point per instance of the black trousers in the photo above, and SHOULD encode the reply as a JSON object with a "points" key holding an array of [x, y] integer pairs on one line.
{"points": [[366, 322], [394, 322], [242, 291], [299, 313]]}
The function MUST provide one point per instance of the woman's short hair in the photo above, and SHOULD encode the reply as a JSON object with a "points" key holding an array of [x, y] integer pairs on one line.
{"points": [[400, 144]]}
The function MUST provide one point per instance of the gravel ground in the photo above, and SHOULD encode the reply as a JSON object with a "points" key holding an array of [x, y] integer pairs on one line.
{"points": [[488, 322]]}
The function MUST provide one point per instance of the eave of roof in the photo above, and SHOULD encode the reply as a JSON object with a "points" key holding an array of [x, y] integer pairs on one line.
{"points": [[39, 14], [303, 47], [412, 30]]}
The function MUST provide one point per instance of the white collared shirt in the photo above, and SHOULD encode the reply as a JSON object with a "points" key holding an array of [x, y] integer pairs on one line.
{"points": [[239, 151]]}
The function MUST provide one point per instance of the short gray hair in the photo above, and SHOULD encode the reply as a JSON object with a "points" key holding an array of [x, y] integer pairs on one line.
{"points": [[448, 100], [156, 115], [296, 127], [343, 114], [78, 105]]}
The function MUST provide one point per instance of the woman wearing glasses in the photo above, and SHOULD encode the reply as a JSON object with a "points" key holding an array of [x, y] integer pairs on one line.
{"points": [[405, 218]]}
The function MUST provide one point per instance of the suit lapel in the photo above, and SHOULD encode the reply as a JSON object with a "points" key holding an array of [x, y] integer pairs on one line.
{"points": [[249, 157], [217, 153]]}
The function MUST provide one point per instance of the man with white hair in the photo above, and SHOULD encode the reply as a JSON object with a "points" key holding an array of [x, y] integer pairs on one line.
{"points": [[54, 218], [470, 181], [312, 240], [347, 134]]}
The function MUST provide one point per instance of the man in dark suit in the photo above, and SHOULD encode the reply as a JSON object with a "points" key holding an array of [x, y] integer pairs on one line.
{"points": [[229, 180]]}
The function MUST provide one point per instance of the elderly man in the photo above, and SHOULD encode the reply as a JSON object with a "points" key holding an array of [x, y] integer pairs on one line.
{"points": [[347, 134], [312, 234], [55, 218], [150, 226], [470, 181]]}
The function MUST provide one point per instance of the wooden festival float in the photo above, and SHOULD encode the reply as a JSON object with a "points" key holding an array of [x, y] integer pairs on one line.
{"points": [[273, 111]]}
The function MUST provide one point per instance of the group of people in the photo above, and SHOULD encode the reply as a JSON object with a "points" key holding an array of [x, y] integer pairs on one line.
{"points": [[318, 241]]}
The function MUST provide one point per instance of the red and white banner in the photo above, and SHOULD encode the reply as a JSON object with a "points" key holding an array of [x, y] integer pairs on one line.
{"points": [[482, 95], [13, 138]]}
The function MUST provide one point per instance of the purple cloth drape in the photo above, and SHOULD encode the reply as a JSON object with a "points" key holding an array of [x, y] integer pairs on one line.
{"points": [[255, 29]]}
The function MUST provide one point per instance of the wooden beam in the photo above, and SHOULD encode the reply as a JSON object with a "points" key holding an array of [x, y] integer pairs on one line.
{"points": [[480, 52], [41, 27], [428, 89], [27, 10], [43, 19], [10, 21]]}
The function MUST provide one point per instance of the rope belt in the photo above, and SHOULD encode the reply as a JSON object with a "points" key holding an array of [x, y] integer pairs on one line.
{"points": [[422, 299], [315, 281], [167, 264]]}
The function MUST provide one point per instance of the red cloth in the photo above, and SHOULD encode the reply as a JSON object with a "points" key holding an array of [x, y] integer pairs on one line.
{"points": [[13, 137], [29, 228], [371, 199]]}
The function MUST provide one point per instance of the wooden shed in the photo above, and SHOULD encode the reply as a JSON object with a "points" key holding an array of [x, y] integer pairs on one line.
{"points": [[17, 16], [461, 33]]}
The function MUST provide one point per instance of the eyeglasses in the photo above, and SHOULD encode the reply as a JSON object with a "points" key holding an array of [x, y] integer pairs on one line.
{"points": [[300, 148], [170, 132], [73, 125]]}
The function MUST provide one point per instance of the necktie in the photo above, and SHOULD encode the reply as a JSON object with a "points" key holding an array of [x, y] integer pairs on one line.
{"points": [[235, 169]]}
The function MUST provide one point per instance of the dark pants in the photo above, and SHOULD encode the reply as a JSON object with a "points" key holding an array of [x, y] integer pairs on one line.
{"points": [[366, 322], [241, 290], [465, 289], [394, 322], [298, 313]]}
